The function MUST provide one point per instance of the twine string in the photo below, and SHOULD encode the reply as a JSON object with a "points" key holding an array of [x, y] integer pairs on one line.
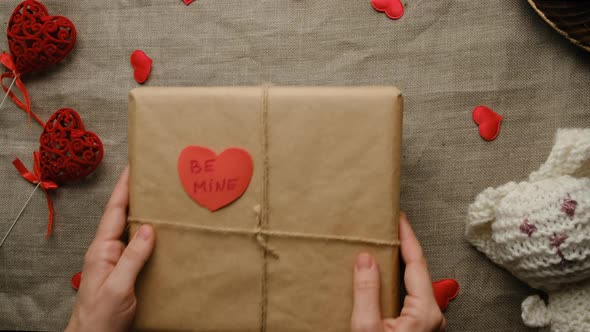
{"points": [[256, 232], [263, 215]]}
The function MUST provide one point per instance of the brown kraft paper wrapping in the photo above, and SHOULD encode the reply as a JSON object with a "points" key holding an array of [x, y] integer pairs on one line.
{"points": [[326, 163]]}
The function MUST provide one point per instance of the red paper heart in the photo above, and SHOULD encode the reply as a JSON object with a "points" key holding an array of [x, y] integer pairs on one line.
{"points": [[142, 66], [68, 152], [76, 279], [394, 9], [36, 39], [214, 181], [187, 2], [444, 291], [488, 121]]}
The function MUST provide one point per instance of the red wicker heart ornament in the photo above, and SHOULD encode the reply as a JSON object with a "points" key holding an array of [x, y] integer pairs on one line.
{"points": [[37, 40], [68, 152]]}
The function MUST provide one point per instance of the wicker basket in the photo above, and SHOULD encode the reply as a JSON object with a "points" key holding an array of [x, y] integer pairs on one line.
{"points": [[571, 18]]}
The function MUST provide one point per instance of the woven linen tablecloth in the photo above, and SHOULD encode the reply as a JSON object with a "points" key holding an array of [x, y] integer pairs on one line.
{"points": [[446, 56]]}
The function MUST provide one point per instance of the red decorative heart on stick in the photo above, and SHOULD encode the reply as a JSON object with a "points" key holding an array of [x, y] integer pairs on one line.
{"points": [[488, 121], [36, 41], [142, 65], [212, 180], [67, 152], [394, 9], [444, 291]]}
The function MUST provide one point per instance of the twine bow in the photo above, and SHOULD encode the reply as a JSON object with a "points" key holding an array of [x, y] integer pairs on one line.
{"points": [[36, 178], [8, 62]]}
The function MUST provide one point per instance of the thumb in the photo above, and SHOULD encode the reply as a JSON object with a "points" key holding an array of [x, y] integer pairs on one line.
{"points": [[366, 311], [133, 258]]}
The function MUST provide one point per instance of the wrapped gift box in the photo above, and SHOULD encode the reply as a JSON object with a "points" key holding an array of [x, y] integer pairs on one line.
{"points": [[325, 187]]}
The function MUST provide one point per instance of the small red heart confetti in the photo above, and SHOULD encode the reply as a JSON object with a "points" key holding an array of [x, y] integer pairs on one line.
{"points": [[142, 66], [394, 9], [488, 122], [76, 279], [212, 180], [444, 291], [188, 2]]}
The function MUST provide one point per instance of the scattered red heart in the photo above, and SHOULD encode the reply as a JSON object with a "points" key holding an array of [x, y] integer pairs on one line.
{"points": [[142, 66], [445, 290], [76, 280], [488, 122], [394, 9]]}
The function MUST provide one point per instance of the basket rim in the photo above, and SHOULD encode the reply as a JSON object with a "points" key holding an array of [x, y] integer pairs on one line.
{"points": [[556, 28]]}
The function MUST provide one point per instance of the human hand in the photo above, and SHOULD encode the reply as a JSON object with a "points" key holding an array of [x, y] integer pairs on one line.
{"points": [[420, 313], [106, 299]]}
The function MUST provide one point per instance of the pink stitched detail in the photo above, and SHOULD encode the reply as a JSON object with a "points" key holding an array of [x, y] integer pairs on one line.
{"points": [[564, 262], [557, 240], [527, 228], [568, 206]]}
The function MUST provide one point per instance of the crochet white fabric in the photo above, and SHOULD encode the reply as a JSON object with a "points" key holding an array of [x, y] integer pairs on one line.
{"points": [[539, 230]]}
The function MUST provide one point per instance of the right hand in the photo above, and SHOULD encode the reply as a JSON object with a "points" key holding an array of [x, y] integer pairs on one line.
{"points": [[420, 313], [106, 300]]}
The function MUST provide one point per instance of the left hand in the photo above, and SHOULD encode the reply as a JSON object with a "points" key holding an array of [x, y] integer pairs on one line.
{"points": [[106, 299]]}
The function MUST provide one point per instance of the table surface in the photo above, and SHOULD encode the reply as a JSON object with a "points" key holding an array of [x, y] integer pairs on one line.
{"points": [[446, 56]]}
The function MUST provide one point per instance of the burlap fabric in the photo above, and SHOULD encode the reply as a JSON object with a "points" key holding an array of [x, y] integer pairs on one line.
{"points": [[445, 56]]}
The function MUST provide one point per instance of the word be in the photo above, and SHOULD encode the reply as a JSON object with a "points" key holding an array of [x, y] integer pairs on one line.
{"points": [[207, 166]]}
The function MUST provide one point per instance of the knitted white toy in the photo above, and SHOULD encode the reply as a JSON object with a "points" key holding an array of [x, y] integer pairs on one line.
{"points": [[539, 230]]}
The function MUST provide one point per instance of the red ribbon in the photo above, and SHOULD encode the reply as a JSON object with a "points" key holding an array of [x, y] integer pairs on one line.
{"points": [[8, 62], [36, 179]]}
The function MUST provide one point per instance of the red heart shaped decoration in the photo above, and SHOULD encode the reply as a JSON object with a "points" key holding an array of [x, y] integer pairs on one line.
{"points": [[68, 152], [215, 181], [142, 65], [76, 280], [36, 39], [444, 291], [488, 121], [394, 9], [187, 2]]}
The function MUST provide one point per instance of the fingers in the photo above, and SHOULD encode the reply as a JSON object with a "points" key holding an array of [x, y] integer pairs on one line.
{"points": [[416, 278], [366, 312], [113, 221], [133, 258], [443, 325]]}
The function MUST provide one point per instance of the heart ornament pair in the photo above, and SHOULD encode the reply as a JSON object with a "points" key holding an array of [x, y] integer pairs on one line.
{"points": [[67, 151]]}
